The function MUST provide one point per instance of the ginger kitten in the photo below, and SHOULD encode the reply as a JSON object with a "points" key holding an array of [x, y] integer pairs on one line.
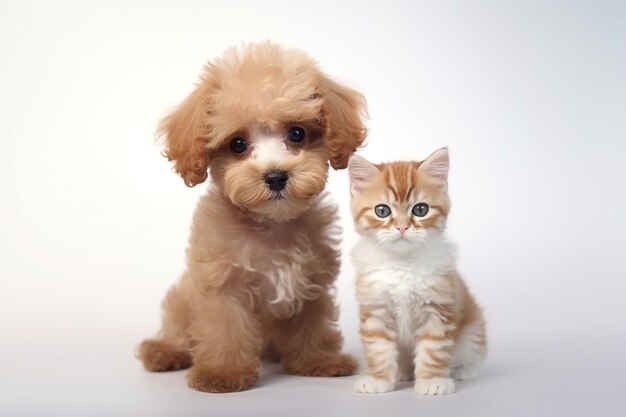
{"points": [[417, 317]]}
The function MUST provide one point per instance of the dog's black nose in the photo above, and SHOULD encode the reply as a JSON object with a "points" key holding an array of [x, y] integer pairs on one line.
{"points": [[276, 180]]}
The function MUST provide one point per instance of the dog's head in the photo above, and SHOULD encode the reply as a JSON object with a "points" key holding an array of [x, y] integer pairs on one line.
{"points": [[266, 122]]}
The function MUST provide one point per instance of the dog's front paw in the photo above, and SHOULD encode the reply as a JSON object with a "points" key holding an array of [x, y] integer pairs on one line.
{"points": [[208, 381], [434, 386], [370, 385], [336, 365]]}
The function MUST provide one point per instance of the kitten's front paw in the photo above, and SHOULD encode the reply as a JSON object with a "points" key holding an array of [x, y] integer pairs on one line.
{"points": [[370, 385], [434, 386]]}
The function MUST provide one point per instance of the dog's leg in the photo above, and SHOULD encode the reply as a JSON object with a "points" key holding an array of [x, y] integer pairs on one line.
{"points": [[310, 343], [170, 350], [227, 355]]}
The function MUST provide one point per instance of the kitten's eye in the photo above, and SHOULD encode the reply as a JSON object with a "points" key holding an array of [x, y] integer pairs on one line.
{"points": [[238, 145], [420, 209], [382, 210], [296, 134]]}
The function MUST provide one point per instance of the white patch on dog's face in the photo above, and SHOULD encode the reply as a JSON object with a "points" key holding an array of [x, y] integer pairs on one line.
{"points": [[268, 147], [243, 176]]}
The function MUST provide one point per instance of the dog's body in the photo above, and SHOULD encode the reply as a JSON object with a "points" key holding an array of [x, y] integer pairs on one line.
{"points": [[262, 255]]}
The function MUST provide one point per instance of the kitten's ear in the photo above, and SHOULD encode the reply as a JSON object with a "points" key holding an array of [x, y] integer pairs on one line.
{"points": [[436, 167], [361, 172]]}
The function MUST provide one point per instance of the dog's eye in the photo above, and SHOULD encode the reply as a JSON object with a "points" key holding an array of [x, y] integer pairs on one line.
{"points": [[420, 209], [238, 145], [296, 134], [382, 210]]}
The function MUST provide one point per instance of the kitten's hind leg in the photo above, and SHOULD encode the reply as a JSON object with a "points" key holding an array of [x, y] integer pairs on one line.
{"points": [[470, 351]]}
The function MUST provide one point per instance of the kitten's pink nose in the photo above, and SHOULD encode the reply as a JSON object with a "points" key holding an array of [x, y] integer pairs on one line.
{"points": [[402, 229]]}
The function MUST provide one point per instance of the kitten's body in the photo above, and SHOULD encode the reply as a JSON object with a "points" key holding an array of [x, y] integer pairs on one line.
{"points": [[417, 317]]}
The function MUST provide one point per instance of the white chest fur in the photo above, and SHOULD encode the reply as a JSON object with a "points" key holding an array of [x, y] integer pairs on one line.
{"points": [[280, 264], [402, 282], [283, 263]]}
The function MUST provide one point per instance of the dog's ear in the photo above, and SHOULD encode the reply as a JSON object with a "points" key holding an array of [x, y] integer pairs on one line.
{"points": [[184, 132], [342, 113]]}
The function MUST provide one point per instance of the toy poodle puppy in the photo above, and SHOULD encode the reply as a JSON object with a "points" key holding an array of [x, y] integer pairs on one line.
{"points": [[263, 251]]}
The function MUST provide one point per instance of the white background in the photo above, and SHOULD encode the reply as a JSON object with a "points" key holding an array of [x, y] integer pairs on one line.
{"points": [[530, 96]]}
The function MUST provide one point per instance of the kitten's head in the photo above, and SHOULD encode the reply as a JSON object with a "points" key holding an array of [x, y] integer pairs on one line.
{"points": [[400, 204]]}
